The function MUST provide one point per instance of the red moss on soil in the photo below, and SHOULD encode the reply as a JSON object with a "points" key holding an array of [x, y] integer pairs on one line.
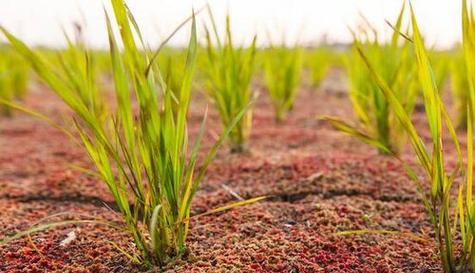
{"points": [[317, 181]]}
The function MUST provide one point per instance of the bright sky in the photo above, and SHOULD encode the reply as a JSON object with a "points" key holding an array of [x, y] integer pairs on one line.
{"points": [[40, 21]]}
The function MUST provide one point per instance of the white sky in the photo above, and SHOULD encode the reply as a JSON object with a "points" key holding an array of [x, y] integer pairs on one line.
{"points": [[40, 21]]}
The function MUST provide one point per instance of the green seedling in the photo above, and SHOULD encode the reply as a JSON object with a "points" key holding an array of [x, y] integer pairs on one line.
{"points": [[319, 62], [452, 231], [14, 78], [377, 122], [282, 69], [230, 70]]}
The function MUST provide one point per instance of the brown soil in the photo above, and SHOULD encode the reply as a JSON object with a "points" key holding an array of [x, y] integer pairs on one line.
{"points": [[317, 181]]}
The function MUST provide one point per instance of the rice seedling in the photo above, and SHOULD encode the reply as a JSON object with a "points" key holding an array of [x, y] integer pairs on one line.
{"points": [[102, 64], [70, 72], [460, 89], [441, 63], [171, 68], [465, 207], [230, 70], [6, 93], [319, 62], [79, 70], [13, 78], [468, 28], [282, 69], [461, 73], [19, 71], [142, 156], [377, 122], [436, 195]]}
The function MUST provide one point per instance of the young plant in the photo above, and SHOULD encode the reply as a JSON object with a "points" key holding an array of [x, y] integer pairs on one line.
{"points": [[319, 62], [6, 93], [436, 196], [79, 70], [230, 71], [460, 89], [171, 68], [282, 69], [13, 78], [19, 71], [463, 71], [465, 205], [377, 122], [468, 27], [441, 63], [143, 156]]}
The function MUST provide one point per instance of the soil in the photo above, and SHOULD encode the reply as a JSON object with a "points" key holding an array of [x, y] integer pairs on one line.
{"points": [[317, 182]]}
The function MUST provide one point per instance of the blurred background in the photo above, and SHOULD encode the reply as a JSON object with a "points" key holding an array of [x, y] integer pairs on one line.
{"points": [[40, 22]]}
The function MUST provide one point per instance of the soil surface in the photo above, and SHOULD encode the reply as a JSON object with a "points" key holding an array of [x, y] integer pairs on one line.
{"points": [[317, 182]]}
